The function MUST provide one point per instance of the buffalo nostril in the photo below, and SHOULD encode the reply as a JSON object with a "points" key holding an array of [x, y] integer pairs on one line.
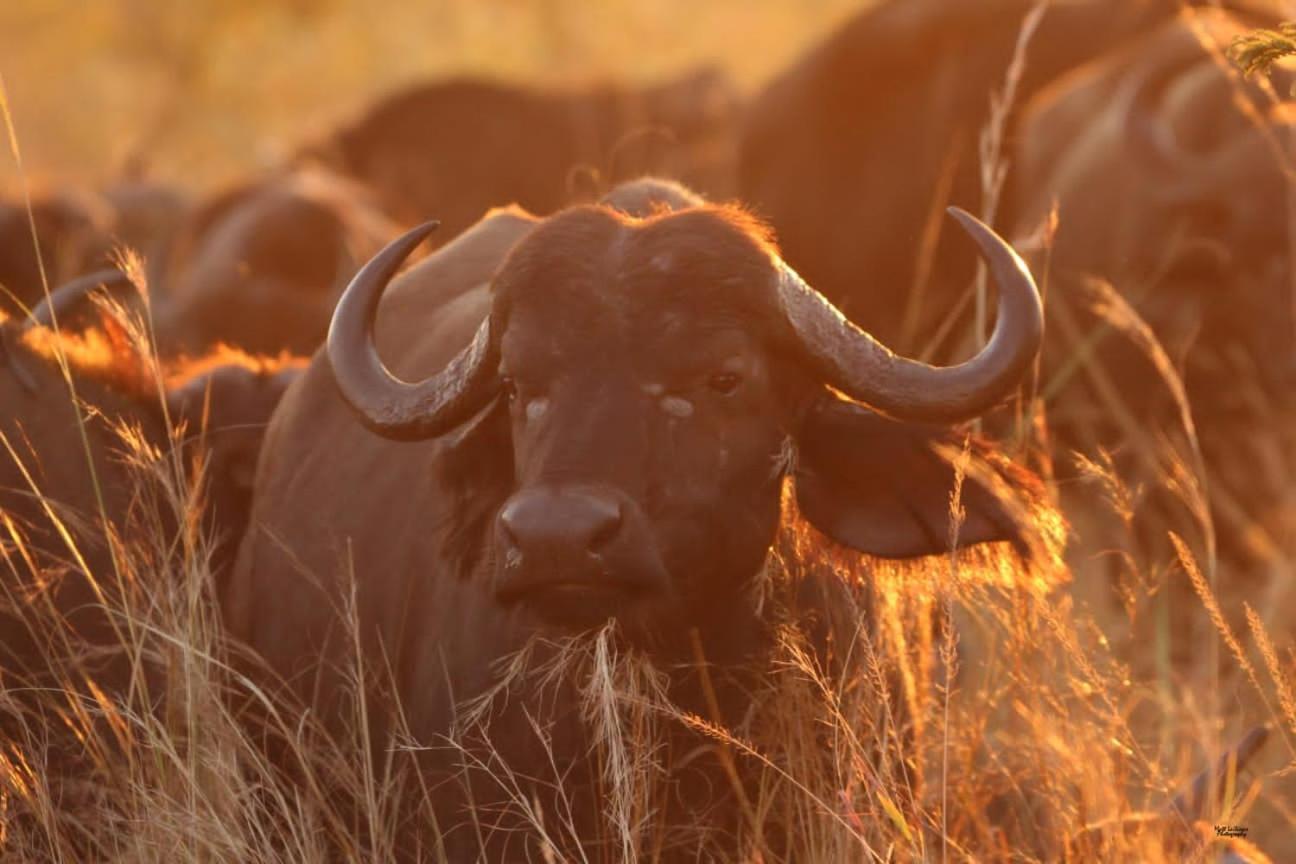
{"points": [[606, 527], [507, 523], [549, 523], [511, 547]]}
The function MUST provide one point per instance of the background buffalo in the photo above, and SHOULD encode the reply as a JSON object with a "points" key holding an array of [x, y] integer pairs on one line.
{"points": [[73, 238], [79, 479], [260, 266], [451, 149], [1165, 240], [854, 151]]}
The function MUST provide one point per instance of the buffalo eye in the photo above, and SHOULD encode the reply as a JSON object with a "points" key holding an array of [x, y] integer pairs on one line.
{"points": [[509, 387], [725, 383]]}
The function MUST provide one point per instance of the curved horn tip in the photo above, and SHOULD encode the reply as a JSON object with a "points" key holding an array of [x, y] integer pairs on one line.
{"points": [[993, 246], [981, 232], [379, 269], [396, 251], [381, 401], [391, 258], [112, 276], [109, 277], [422, 230]]}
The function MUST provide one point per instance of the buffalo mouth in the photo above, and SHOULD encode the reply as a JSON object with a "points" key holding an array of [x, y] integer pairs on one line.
{"points": [[579, 600]]}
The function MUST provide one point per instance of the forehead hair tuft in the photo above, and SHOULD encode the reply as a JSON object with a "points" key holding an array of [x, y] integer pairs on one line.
{"points": [[583, 240]]}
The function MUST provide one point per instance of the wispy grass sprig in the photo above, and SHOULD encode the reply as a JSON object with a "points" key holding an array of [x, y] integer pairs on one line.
{"points": [[1259, 50]]}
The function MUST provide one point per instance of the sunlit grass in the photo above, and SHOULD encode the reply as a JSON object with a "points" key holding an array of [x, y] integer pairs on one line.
{"points": [[1023, 737]]}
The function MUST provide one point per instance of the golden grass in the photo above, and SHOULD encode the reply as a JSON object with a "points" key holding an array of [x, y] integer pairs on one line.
{"points": [[903, 736], [1016, 739]]}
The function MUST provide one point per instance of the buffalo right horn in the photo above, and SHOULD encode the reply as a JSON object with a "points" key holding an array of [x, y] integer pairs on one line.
{"points": [[387, 405], [67, 297], [855, 363]]}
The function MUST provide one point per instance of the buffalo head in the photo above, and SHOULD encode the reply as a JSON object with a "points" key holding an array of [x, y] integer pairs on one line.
{"points": [[1169, 173], [652, 381], [261, 265], [72, 237]]}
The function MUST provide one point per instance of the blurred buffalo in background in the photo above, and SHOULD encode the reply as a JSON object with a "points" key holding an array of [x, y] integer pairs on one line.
{"points": [[80, 231], [260, 265], [1157, 181], [455, 148], [147, 219], [853, 153], [80, 478], [73, 230]]}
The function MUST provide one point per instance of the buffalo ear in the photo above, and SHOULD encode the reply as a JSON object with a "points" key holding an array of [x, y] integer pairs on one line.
{"points": [[883, 487]]}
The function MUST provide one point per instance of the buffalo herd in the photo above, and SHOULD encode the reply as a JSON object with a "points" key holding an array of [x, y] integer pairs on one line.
{"points": [[599, 392]]}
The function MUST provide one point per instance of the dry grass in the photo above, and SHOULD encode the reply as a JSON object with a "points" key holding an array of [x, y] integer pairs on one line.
{"points": [[1023, 738], [958, 709]]}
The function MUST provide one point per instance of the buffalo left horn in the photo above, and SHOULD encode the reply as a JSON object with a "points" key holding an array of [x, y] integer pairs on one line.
{"points": [[386, 404], [855, 363], [68, 296]]}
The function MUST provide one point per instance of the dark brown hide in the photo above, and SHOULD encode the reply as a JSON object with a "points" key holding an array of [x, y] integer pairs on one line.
{"points": [[451, 150], [41, 429], [643, 374]]}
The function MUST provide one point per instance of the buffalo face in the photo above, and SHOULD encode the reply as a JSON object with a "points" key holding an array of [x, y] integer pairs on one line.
{"points": [[648, 414], [651, 380]]}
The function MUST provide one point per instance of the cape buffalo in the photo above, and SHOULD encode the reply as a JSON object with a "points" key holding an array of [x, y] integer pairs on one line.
{"points": [[1170, 178], [79, 233], [147, 217], [261, 265], [852, 152], [606, 411], [74, 235], [458, 147], [67, 487]]}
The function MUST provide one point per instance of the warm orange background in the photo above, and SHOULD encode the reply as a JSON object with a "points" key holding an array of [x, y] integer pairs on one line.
{"points": [[215, 87]]}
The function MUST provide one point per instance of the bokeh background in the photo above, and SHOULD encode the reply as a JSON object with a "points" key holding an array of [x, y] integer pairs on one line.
{"points": [[204, 90]]}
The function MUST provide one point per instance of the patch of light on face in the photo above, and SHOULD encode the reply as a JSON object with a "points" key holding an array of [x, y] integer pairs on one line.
{"points": [[536, 408], [654, 389], [512, 558], [676, 407], [663, 261]]}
